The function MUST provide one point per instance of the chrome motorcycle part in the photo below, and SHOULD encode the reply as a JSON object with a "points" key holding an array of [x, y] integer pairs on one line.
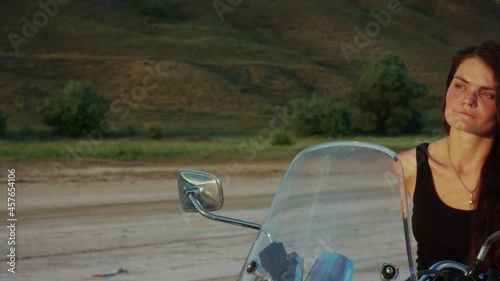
{"points": [[388, 271], [442, 267], [260, 273], [202, 192], [477, 263], [206, 187]]}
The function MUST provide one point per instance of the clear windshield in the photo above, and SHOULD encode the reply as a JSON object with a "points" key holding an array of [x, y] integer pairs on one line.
{"points": [[340, 213]]}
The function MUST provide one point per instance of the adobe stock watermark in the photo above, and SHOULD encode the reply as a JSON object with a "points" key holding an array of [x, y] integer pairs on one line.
{"points": [[252, 145], [223, 6], [122, 106], [372, 29], [40, 19], [394, 178], [249, 149]]}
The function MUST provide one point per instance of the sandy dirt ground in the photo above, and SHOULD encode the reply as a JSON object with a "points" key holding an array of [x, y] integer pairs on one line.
{"points": [[122, 221], [102, 218]]}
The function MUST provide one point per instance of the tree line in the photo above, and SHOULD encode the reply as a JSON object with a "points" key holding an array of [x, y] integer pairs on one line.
{"points": [[384, 102]]}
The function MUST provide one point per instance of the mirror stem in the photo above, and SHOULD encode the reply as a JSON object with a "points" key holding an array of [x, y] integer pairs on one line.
{"points": [[211, 216]]}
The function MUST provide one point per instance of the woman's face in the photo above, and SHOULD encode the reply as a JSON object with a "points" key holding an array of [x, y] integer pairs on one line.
{"points": [[470, 99]]}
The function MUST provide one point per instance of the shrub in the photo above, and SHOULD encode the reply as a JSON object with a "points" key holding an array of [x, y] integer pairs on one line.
{"points": [[282, 138], [132, 131], [160, 9], [385, 100], [79, 109], [319, 115], [155, 131]]}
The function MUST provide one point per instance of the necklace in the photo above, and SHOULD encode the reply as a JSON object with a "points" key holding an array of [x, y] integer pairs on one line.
{"points": [[471, 199]]}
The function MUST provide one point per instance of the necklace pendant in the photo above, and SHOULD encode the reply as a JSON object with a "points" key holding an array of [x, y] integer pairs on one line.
{"points": [[470, 199]]}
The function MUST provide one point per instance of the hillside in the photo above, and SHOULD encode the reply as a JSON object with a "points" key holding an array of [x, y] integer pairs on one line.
{"points": [[221, 74]]}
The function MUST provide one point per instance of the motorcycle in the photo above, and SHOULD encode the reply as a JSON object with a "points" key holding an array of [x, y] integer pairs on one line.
{"points": [[341, 213]]}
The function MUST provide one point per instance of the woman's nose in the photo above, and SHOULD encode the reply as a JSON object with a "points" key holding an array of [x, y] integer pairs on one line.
{"points": [[470, 99]]}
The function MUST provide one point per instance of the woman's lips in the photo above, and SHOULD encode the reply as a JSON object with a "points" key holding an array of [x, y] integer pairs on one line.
{"points": [[466, 113]]}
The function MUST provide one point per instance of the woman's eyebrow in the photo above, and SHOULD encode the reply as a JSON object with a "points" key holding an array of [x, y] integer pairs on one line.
{"points": [[462, 79], [467, 82]]}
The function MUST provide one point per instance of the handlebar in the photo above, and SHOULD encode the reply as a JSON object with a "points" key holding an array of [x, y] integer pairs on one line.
{"points": [[455, 271]]}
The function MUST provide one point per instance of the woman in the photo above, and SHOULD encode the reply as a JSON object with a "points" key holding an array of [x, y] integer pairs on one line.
{"points": [[455, 181]]}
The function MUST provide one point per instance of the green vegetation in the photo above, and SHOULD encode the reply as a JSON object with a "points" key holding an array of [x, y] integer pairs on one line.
{"points": [[159, 9], [386, 99], [384, 102], [282, 138], [227, 148], [156, 131], [320, 115], [223, 76], [77, 111], [175, 63]]}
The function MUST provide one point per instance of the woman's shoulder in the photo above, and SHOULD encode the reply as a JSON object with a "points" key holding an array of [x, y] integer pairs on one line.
{"points": [[409, 157], [408, 160], [423, 151]]}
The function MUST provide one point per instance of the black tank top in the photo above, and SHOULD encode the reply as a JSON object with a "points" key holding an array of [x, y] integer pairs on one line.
{"points": [[441, 231]]}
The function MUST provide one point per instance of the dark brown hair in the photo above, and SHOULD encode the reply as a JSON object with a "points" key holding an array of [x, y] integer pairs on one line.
{"points": [[486, 215]]}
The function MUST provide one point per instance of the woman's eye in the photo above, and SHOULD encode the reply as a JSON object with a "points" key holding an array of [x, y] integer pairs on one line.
{"points": [[458, 86], [488, 95]]}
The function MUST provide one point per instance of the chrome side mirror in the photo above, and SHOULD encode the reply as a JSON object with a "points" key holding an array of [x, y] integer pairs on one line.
{"points": [[202, 192], [206, 188]]}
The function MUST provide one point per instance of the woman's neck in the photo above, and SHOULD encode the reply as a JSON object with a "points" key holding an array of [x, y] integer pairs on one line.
{"points": [[467, 150]]}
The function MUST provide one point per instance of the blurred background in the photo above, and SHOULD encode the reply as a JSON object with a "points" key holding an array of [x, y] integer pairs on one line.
{"points": [[120, 94]]}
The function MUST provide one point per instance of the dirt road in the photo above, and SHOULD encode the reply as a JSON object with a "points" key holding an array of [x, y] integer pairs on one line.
{"points": [[104, 216]]}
